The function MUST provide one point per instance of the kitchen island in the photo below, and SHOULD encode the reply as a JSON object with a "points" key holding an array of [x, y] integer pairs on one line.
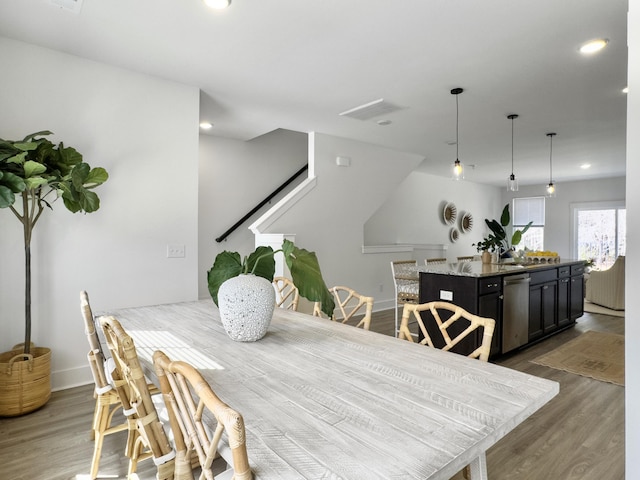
{"points": [[529, 302]]}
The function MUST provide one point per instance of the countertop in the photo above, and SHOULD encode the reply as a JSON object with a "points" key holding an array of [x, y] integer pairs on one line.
{"points": [[479, 269]]}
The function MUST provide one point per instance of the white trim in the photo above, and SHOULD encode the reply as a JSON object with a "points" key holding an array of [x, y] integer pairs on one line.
{"points": [[402, 248]]}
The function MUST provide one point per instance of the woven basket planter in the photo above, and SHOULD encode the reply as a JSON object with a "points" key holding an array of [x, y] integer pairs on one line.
{"points": [[25, 380]]}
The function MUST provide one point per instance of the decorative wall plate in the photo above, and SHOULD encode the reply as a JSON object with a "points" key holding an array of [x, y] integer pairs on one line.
{"points": [[454, 235], [449, 213], [466, 223]]}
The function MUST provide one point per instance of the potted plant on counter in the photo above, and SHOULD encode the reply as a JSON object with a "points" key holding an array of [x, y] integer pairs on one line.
{"points": [[486, 246], [34, 173], [243, 291]]}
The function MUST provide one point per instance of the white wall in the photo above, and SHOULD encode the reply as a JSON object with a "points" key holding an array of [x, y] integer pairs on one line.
{"points": [[234, 177], [413, 214], [144, 131], [558, 215], [632, 325], [330, 219]]}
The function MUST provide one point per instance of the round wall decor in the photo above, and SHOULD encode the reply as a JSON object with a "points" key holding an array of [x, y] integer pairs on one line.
{"points": [[449, 213]]}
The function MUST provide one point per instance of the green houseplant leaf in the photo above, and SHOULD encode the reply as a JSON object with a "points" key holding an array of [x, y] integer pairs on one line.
{"points": [[304, 267]]}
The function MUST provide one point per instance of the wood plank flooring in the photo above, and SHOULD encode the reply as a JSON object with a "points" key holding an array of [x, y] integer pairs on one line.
{"points": [[578, 435]]}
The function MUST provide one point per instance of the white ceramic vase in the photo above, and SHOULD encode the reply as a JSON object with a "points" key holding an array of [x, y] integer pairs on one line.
{"points": [[246, 304]]}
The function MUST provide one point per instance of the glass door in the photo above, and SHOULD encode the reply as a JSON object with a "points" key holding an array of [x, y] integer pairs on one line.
{"points": [[600, 231]]}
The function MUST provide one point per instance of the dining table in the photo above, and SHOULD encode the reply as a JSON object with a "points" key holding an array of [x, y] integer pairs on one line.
{"points": [[324, 400]]}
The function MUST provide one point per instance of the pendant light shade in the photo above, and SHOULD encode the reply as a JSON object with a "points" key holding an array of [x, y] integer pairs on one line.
{"points": [[458, 168], [551, 188], [512, 182]]}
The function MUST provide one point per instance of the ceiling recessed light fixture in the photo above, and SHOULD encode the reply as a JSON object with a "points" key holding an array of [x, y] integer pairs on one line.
{"points": [[585, 166], [594, 45], [206, 125], [217, 4]]}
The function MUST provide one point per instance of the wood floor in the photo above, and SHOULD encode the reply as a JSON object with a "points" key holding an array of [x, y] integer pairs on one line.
{"points": [[578, 435]]}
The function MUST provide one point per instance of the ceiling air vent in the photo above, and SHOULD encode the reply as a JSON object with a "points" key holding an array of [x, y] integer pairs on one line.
{"points": [[73, 6], [371, 110]]}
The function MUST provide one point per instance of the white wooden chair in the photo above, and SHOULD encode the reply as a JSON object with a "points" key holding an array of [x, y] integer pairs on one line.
{"points": [[406, 283], [188, 396], [287, 294]]}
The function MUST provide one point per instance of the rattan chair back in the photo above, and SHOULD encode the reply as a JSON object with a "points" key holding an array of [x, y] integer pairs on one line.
{"points": [[107, 399], [350, 303], [435, 261], [458, 314], [287, 294], [131, 385], [406, 284], [188, 397]]}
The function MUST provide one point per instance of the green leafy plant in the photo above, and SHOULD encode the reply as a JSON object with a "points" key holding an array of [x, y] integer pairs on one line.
{"points": [[500, 236], [487, 244], [303, 265], [34, 173]]}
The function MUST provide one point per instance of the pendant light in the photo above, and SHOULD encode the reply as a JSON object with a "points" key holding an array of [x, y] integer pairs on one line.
{"points": [[458, 169], [512, 182], [551, 188]]}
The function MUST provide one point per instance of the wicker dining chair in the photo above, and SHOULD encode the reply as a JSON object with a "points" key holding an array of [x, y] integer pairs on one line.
{"points": [[406, 283], [131, 385], [107, 400], [287, 294], [350, 303], [458, 314], [468, 258], [435, 261], [189, 398]]}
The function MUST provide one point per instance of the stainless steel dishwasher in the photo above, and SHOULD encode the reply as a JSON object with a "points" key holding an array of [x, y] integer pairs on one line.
{"points": [[515, 311]]}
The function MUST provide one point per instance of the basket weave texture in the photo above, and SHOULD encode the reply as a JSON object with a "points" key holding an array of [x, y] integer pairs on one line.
{"points": [[25, 380]]}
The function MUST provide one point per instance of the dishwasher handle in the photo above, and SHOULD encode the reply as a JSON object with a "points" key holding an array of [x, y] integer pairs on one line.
{"points": [[523, 278]]}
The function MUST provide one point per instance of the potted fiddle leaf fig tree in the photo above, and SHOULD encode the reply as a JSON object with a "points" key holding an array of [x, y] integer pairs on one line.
{"points": [[34, 173], [246, 283]]}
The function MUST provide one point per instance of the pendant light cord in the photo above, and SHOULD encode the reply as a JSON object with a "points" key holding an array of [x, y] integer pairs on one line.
{"points": [[512, 118], [457, 122], [550, 156]]}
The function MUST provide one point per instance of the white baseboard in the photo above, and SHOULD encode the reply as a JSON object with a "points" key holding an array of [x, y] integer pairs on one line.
{"points": [[72, 377]]}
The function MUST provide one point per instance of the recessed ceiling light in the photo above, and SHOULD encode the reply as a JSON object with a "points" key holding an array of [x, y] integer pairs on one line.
{"points": [[594, 45], [625, 90], [205, 125], [384, 122], [584, 166], [217, 4]]}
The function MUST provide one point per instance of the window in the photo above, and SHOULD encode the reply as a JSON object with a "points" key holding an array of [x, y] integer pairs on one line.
{"points": [[599, 232], [525, 210]]}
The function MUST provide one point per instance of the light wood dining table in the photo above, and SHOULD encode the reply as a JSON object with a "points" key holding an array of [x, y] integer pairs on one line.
{"points": [[323, 400]]}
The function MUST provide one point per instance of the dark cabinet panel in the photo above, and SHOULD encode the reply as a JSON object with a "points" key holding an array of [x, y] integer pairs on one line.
{"points": [[564, 302], [577, 297]]}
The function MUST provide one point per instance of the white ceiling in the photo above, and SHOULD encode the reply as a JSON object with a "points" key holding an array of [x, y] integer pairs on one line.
{"points": [[296, 64]]}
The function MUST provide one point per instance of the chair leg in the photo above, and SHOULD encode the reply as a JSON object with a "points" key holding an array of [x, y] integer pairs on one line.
{"points": [[396, 312]]}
